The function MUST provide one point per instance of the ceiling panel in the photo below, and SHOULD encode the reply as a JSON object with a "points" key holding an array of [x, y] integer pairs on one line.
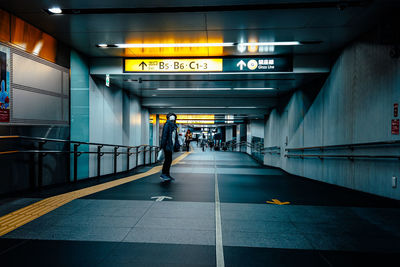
{"points": [[334, 29]]}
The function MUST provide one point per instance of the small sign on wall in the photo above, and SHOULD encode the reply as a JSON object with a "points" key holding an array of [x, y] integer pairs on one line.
{"points": [[395, 110], [395, 126]]}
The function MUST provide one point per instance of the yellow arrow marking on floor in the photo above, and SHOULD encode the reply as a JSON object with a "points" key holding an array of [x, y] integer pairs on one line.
{"points": [[29, 213], [277, 202]]}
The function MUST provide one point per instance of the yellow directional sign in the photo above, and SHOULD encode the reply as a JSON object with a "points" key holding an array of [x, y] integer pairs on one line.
{"points": [[173, 65], [277, 202]]}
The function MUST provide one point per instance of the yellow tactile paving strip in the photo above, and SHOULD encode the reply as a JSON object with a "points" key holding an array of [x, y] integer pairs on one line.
{"points": [[29, 213]]}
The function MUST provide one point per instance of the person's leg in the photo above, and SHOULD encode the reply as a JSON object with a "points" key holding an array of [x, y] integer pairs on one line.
{"points": [[167, 163]]}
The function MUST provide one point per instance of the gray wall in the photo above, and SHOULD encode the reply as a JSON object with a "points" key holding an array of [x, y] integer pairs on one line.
{"points": [[116, 117], [355, 105], [257, 128], [228, 133]]}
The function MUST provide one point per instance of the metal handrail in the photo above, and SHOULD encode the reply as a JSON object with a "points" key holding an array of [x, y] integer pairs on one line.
{"points": [[272, 148], [345, 146], [63, 141], [75, 151], [343, 156]]}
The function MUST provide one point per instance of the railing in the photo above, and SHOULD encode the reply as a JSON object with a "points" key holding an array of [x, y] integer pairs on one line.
{"points": [[343, 147], [272, 150], [41, 153], [256, 150]]}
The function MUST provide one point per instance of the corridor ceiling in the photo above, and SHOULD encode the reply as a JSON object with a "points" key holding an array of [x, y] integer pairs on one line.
{"points": [[325, 26]]}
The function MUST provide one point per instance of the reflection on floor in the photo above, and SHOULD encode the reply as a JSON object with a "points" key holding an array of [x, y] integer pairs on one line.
{"points": [[324, 225]]}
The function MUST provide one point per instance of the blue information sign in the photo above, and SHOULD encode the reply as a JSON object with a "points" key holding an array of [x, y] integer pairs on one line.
{"points": [[259, 64]]}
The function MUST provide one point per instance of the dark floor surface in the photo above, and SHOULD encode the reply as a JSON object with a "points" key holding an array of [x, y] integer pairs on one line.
{"points": [[324, 225]]}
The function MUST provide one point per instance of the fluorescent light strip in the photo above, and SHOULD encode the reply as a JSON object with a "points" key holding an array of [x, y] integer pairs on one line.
{"points": [[271, 43], [212, 73], [228, 44], [212, 107], [174, 45], [267, 88], [193, 89]]}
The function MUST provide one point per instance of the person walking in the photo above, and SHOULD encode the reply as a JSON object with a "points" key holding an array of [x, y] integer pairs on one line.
{"points": [[169, 144], [188, 138], [203, 142]]}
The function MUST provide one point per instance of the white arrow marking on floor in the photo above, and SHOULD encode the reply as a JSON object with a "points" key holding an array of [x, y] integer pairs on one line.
{"points": [[161, 198]]}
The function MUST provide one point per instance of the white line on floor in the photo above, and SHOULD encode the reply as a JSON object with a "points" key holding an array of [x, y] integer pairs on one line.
{"points": [[218, 228]]}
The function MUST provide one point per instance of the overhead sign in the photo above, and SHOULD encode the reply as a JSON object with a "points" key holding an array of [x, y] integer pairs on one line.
{"points": [[173, 65], [259, 64], [187, 118]]}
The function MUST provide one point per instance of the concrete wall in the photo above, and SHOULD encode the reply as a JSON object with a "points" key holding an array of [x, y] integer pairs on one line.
{"points": [[116, 117], [257, 128], [355, 105], [229, 133], [80, 109]]}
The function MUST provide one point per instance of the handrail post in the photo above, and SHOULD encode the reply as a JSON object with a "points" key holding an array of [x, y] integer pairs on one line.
{"points": [[137, 156], [150, 154], [128, 154], [144, 155], [40, 164], [115, 158], [99, 160], [76, 162]]}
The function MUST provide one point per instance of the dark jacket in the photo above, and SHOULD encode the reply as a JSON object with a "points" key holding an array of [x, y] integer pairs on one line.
{"points": [[166, 139]]}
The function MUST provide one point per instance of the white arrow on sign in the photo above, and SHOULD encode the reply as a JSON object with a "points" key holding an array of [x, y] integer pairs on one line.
{"points": [[241, 64], [161, 198]]}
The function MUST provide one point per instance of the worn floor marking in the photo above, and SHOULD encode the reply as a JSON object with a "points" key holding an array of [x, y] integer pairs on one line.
{"points": [[219, 248]]}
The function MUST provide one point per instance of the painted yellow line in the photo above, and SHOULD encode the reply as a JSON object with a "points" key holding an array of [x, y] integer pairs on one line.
{"points": [[29, 213]]}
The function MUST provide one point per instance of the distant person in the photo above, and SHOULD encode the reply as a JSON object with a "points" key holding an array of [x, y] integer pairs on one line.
{"points": [[188, 138], [169, 144], [203, 142]]}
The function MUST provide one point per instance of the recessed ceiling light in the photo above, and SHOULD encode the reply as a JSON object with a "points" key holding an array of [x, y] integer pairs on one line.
{"points": [[102, 45], [55, 10]]}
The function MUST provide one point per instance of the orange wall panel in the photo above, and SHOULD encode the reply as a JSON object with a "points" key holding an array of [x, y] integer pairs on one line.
{"points": [[33, 40], [4, 26]]}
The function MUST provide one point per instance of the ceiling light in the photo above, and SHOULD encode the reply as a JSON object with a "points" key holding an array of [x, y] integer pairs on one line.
{"points": [[174, 45], [266, 88], [272, 43], [102, 45], [241, 46], [55, 10], [212, 107], [193, 89]]}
